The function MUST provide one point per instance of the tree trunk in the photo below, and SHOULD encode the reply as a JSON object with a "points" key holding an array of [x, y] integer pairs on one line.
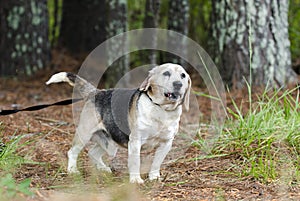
{"points": [[24, 45], [83, 25], [178, 20], [151, 21], [117, 23], [267, 23]]}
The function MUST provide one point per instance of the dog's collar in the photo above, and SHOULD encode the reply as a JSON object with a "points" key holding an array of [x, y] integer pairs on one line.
{"points": [[151, 99], [145, 92]]}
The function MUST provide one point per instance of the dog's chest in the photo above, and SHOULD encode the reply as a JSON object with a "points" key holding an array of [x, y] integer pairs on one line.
{"points": [[154, 124]]}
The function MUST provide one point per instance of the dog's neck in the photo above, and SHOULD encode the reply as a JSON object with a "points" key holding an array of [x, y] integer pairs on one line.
{"points": [[159, 105], [146, 92]]}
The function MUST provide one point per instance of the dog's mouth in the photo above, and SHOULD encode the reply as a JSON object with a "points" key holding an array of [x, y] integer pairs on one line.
{"points": [[172, 96]]}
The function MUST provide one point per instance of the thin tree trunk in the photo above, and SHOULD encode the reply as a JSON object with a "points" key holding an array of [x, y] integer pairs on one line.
{"points": [[55, 23], [264, 25], [178, 20], [83, 25], [117, 24], [24, 45], [151, 21]]}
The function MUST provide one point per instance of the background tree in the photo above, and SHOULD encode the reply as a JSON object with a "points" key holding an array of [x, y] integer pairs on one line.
{"points": [[178, 20], [294, 31], [24, 46], [151, 21], [116, 24], [83, 25], [267, 21]]}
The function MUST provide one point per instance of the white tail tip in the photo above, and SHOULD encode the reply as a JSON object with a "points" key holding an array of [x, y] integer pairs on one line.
{"points": [[59, 77]]}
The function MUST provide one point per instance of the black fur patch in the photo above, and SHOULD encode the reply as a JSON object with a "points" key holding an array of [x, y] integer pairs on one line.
{"points": [[72, 77], [113, 106]]}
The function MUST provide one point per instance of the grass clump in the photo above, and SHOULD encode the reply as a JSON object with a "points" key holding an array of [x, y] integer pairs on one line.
{"points": [[9, 158], [266, 138], [9, 189], [10, 161]]}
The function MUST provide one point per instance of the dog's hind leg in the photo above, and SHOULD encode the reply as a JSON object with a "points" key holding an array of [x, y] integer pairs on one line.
{"points": [[104, 144], [95, 153], [73, 155], [79, 143], [88, 124]]}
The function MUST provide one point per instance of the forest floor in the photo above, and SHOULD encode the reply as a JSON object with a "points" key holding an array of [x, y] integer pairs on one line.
{"points": [[50, 132]]}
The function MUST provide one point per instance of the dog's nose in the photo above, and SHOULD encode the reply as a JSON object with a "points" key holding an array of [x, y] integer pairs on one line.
{"points": [[177, 84]]}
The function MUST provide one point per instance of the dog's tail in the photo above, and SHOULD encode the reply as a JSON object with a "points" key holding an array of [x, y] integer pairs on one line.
{"points": [[83, 86]]}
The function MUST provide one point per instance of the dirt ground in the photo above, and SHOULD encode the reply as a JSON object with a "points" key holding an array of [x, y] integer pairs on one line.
{"points": [[50, 133]]}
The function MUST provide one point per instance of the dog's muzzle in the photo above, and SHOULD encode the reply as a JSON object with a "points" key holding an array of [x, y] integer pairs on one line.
{"points": [[173, 96]]}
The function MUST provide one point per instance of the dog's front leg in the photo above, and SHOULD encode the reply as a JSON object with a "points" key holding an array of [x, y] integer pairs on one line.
{"points": [[134, 150], [160, 154]]}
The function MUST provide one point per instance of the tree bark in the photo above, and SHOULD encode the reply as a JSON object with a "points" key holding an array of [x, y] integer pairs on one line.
{"points": [[151, 21], [83, 25], [252, 34], [178, 20], [24, 45], [117, 24]]}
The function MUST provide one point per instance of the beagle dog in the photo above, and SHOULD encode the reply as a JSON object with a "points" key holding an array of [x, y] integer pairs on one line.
{"points": [[132, 118]]}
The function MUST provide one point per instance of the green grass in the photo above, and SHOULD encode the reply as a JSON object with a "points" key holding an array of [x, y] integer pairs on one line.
{"points": [[266, 138], [9, 157], [10, 161], [9, 189]]}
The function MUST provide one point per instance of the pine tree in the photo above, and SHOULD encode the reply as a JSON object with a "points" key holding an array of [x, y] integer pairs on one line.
{"points": [[83, 25], [117, 24], [151, 21], [24, 46], [178, 20], [252, 34]]}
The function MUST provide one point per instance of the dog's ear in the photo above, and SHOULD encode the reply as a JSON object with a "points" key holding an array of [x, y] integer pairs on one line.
{"points": [[186, 101], [146, 83]]}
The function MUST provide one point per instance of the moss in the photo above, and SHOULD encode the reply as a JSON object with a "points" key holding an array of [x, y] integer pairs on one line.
{"points": [[24, 48], [9, 35], [36, 14], [17, 47], [39, 64], [21, 10], [36, 20], [14, 18], [40, 40], [124, 2], [34, 44], [18, 37], [28, 70], [13, 55], [39, 50], [256, 58]]}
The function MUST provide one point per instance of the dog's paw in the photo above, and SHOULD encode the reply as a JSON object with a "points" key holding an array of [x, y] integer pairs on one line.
{"points": [[73, 170], [155, 175], [136, 180], [104, 168]]}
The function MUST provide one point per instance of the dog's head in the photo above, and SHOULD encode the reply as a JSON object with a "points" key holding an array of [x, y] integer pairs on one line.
{"points": [[168, 85]]}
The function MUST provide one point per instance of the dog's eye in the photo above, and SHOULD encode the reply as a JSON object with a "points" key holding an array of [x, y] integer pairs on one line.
{"points": [[167, 73], [182, 75]]}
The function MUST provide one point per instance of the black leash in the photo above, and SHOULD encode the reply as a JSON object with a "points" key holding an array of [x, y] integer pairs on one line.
{"points": [[39, 107]]}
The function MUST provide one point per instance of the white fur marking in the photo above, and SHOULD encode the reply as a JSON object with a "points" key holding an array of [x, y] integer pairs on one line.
{"points": [[59, 77]]}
